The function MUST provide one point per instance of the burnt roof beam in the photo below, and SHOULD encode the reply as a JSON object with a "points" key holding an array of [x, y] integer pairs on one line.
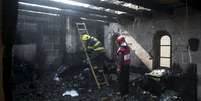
{"points": [[111, 6], [68, 6], [151, 4], [77, 8], [65, 12]]}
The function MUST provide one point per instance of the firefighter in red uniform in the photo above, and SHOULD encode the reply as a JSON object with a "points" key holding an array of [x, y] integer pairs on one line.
{"points": [[123, 62]]}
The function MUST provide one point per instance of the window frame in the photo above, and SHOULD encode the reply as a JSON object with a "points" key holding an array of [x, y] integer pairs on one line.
{"points": [[162, 57]]}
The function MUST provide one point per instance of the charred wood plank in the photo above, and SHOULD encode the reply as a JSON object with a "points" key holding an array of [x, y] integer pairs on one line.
{"points": [[68, 6]]}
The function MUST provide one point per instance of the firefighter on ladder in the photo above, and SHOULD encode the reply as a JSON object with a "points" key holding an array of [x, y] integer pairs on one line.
{"points": [[123, 62], [94, 46]]}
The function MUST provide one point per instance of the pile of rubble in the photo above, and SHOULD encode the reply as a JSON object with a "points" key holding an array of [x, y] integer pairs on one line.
{"points": [[72, 83]]}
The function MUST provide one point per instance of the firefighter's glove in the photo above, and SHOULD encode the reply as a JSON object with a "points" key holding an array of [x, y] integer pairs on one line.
{"points": [[89, 50]]}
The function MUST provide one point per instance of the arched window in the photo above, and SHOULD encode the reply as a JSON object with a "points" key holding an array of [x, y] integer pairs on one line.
{"points": [[165, 51]]}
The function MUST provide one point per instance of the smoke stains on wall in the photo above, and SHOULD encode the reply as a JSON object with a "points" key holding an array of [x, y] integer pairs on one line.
{"points": [[45, 33], [180, 27], [53, 36]]}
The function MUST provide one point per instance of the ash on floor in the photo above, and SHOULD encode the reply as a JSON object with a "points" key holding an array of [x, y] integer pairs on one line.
{"points": [[79, 79]]}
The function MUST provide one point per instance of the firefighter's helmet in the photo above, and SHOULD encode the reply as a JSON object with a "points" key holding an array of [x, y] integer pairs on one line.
{"points": [[85, 37], [120, 39]]}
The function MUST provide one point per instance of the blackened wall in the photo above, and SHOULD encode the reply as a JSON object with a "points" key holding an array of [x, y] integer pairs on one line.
{"points": [[39, 40], [181, 27], [51, 40]]}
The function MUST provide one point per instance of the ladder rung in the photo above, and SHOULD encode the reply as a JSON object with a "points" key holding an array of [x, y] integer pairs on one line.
{"points": [[100, 71], [102, 83], [81, 29], [99, 77], [80, 23]]}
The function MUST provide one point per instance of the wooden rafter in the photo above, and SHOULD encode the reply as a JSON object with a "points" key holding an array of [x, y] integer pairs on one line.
{"points": [[112, 6], [151, 4], [68, 6], [66, 12]]}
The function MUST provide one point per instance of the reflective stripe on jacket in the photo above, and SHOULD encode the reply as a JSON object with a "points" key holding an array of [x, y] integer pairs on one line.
{"points": [[95, 44], [124, 53]]}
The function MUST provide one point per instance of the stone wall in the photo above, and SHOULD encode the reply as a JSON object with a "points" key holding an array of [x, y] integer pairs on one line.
{"points": [[40, 42], [180, 26]]}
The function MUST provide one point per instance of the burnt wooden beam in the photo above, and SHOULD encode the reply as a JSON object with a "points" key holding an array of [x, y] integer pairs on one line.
{"points": [[39, 9], [110, 6], [66, 12], [25, 11], [151, 4], [78, 8], [68, 6]]}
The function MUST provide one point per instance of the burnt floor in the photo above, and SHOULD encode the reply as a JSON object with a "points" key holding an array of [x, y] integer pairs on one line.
{"points": [[32, 85]]}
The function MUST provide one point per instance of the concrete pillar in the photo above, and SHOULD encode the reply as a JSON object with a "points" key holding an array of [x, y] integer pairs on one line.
{"points": [[109, 31], [71, 36]]}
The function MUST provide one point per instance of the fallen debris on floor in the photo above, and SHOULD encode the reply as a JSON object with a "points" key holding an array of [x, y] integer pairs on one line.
{"points": [[72, 93], [77, 84]]}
